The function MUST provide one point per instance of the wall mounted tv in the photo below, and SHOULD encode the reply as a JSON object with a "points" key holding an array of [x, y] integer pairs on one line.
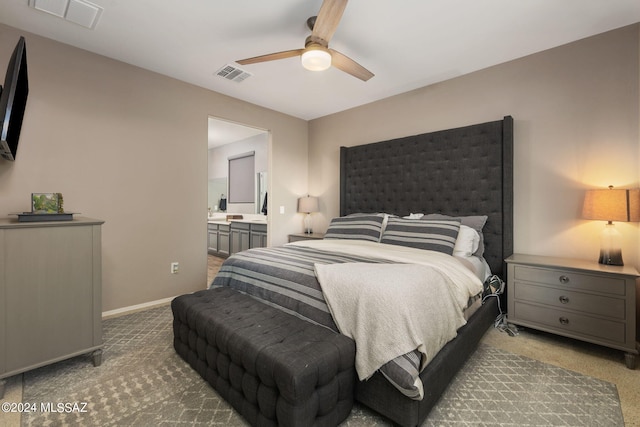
{"points": [[13, 100]]}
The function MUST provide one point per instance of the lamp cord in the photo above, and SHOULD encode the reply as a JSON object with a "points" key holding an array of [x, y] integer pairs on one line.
{"points": [[494, 287]]}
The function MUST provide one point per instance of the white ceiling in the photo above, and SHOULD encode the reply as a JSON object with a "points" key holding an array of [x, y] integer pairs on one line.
{"points": [[222, 132], [407, 44]]}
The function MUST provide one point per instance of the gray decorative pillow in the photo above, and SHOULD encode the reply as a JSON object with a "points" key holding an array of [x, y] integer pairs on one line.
{"points": [[476, 222], [356, 227], [433, 235]]}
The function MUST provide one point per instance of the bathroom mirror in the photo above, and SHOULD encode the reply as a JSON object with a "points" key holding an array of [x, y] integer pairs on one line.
{"points": [[217, 187]]}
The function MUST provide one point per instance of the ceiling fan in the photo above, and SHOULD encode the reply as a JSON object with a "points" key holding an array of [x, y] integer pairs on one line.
{"points": [[317, 55]]}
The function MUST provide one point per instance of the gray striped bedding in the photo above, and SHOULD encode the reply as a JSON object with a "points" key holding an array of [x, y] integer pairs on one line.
{"points": [[356, 226], [433, 235], [284, 277]]}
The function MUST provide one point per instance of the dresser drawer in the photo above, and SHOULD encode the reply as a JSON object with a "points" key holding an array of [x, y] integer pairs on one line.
{"points": [[240, 225], [570, 280], [259, 228], [577, 324], [570, 300]]}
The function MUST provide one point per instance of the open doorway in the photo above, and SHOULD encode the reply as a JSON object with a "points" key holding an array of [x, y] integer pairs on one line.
{"points": [[237, 183]]}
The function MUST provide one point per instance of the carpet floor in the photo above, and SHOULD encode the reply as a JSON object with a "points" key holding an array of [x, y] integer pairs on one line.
{"points": [[143, 382]]}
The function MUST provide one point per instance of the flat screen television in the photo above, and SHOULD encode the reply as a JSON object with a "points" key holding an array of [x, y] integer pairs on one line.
{"points": [[13, 100]]}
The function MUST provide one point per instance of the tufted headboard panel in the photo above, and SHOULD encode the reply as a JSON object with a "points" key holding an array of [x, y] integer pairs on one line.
{"points": [[459, 172]]}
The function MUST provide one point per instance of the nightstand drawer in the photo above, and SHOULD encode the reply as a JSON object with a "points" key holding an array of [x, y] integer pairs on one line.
{"points": [[570, 279], [570, 300], [608, 330]]}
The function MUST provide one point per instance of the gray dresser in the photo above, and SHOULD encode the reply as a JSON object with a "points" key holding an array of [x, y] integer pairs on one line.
{"points": [[50, 293], [575, 298]]}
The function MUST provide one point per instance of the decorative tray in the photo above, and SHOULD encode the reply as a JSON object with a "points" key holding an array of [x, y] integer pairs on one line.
{"points": [[37, 217]]}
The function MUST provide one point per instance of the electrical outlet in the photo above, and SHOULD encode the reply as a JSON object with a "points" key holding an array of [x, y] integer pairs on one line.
{"points": [[175, 267], [281, 209]]}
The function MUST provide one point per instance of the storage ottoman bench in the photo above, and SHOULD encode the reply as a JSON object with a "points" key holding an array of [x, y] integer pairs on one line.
{"points": [[272, 367]]}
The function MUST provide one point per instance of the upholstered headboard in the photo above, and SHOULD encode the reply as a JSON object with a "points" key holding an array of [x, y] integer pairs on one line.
{"points": [[459, 172]]}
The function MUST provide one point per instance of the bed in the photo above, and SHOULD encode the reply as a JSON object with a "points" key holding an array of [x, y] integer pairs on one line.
{"points": [[456, 177], [462, 171]]}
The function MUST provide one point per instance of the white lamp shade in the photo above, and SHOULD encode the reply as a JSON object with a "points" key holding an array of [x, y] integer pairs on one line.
{"points": [[316, 58], [308, 204]]}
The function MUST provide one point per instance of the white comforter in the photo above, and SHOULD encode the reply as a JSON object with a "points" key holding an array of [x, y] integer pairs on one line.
{"points": [[393, 309]]}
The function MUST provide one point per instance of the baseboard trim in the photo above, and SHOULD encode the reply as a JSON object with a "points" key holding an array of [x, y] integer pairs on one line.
{"points": [[135, 308]]}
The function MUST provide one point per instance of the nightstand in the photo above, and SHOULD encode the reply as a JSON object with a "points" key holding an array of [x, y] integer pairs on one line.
{"points": [[304, 236], [577, 299]]}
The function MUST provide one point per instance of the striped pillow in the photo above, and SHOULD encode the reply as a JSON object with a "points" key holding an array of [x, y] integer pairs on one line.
{"points": [[474, 221], [356, 227], [434, 235]]}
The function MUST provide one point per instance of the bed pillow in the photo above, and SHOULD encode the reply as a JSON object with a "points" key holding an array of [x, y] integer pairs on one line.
{"points": [[356, 227], [467, 243], [433, 235], [414, 216], [384, 222], [476, 222]]}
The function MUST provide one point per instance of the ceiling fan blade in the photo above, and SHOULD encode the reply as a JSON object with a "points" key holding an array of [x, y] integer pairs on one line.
{"points": [[327, 20], [348, 65], [271, 57]]}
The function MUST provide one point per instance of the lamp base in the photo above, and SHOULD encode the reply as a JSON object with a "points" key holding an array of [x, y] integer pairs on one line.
{"points": [[307, 224], [610, 257], [610, 246]]}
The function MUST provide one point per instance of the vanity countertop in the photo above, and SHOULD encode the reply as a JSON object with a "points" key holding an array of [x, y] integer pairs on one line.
{"points": [[247, 219], [251, 221]]}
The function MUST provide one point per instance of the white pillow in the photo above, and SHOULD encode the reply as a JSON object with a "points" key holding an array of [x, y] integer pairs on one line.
{"points": [[414, 216], [467, 242]]}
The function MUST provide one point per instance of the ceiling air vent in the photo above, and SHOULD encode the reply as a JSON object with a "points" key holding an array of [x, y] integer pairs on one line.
{"points": [[80, 12], [233, 73]]}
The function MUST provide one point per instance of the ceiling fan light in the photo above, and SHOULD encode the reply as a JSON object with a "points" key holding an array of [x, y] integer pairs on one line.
{"points": [[316, 58]]}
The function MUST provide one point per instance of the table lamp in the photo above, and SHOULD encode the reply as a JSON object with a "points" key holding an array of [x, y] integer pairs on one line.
{"points": [[612, 205]]}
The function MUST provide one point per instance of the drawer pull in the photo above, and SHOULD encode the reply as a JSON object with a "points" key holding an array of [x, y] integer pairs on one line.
{"points": [[564, 279], [564, 320], [564, 300]]}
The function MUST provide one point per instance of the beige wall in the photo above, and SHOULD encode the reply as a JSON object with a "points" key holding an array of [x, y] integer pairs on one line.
{"points": [[576, 112], [130, 147]]}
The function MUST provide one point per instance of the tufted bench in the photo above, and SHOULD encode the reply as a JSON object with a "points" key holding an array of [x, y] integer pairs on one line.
{"points": [[272, 367]]}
